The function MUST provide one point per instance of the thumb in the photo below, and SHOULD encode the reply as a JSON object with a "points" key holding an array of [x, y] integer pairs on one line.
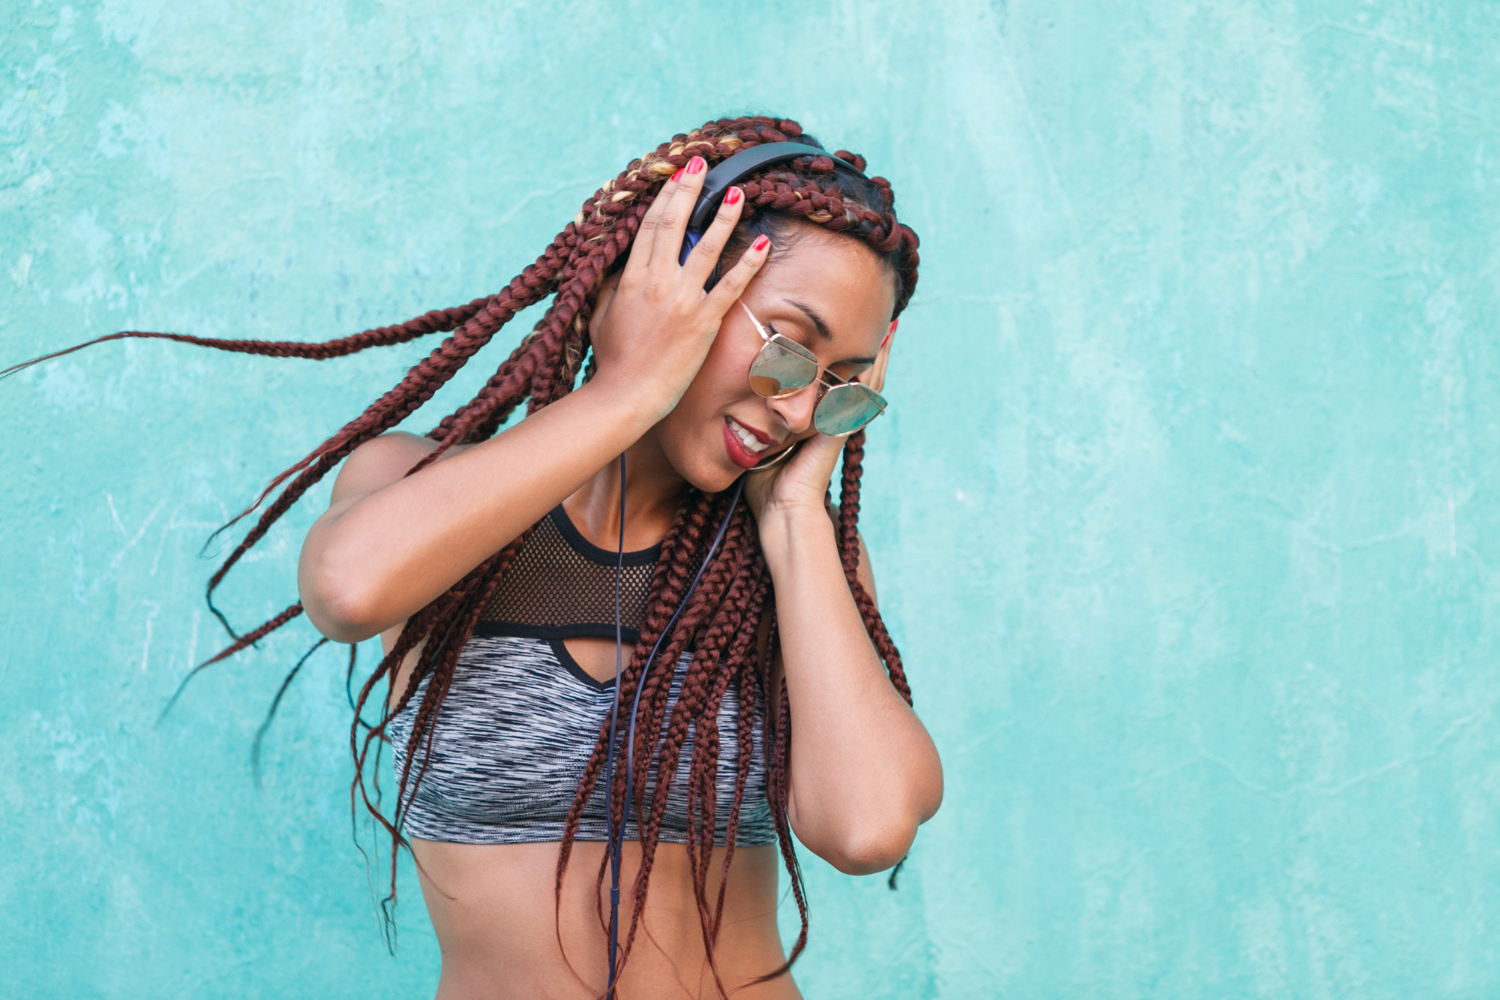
{"points": [[601, 302]]}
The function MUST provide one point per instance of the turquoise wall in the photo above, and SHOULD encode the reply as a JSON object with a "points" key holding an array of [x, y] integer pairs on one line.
{"points": [[1185, 512]]}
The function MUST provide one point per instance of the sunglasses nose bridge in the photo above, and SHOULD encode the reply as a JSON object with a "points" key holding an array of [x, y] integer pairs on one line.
{"points": [[796, 408]]}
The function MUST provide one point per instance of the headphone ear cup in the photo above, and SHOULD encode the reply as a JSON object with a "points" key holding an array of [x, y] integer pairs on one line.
{"points": [[690, 240]]}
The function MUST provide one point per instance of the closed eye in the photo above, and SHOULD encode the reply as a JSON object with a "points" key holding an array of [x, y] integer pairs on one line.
{"points": [[860, 363]]}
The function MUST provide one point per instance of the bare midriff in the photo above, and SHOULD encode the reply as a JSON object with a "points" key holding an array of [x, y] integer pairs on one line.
{"points": [[504, 934]]}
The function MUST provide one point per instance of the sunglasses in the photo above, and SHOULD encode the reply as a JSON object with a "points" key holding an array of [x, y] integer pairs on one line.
{"points": [[784, 368]]}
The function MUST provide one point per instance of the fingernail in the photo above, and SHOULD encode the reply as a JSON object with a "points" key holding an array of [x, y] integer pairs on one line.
{"points": [[677, 176], [696, 165], [761, 242], [733, 196]]}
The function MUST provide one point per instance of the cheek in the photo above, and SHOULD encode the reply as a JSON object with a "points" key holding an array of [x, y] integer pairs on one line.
{"points": [[693, 428], [723, 381]]}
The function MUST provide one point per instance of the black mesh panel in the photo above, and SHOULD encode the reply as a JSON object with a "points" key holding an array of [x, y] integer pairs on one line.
{"points": [[562, 586]]}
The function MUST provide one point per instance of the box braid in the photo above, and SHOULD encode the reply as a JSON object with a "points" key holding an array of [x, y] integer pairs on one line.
{"points": [[724, 586], [733, 605]]}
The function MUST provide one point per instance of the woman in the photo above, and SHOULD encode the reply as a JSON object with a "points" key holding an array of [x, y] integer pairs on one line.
{"points": [[501, 570]]}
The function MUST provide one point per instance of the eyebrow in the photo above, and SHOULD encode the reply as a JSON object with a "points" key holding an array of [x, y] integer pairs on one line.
{"points": [[817, 320], [825, 333]]}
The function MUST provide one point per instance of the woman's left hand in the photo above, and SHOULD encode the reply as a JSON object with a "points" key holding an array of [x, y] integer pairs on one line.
{"points": [[800, 484]]}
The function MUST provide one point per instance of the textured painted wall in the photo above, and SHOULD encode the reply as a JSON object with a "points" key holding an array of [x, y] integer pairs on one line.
{"points": [[1185, 510]]}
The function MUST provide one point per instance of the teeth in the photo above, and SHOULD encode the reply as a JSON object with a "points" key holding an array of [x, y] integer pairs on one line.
{"points": [[752, 444]]}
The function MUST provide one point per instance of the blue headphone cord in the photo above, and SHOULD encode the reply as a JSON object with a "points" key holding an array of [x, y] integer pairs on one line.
{"points": [[617, 833], [609, 765]]}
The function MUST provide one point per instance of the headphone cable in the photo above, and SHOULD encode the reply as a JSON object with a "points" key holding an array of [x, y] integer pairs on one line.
{"points": [[617, 834]]}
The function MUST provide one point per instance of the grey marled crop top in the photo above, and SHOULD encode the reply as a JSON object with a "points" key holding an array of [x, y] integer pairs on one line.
{"points": [[521, 717]]}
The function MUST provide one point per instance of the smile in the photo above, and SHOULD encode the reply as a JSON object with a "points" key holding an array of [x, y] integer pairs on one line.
{"points": [[748, 438], [745, 446]]}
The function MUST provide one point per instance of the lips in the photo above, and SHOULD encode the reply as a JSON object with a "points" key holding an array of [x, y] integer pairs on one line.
{"points": [[746, 445]]}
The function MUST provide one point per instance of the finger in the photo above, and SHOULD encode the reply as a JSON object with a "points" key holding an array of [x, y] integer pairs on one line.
{"points": [[666, 239], [812, 467], [645, 234], [875, 377], [706, 254], [732, 285], [825, 450]]}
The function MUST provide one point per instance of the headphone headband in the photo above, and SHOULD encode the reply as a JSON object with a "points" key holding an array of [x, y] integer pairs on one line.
{"points": [[734, 168], [746, 162]]}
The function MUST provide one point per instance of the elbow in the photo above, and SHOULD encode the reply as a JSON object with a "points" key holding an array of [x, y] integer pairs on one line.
{"points": [[876, 834], [336, 609], [872, 848], [338, 624]]}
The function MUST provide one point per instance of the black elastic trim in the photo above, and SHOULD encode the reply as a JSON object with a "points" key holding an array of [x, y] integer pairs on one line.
{"points": [[593, 553], [571, 666], [581, 630]]}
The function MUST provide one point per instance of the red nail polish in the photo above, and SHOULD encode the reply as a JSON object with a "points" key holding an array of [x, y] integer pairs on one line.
{"points": [[761, 242], [677, 176], [696, 165], [733, 196]]}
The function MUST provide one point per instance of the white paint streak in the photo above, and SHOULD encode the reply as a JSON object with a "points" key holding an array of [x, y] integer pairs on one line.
{"points": [[146, 646], [22, 270], [114, 563], [165, 534], [1024, 102], [192, 657], [109, 499]]}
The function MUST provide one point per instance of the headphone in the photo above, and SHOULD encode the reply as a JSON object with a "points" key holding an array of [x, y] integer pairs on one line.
{"points": [[733, 169], [729, 171]]}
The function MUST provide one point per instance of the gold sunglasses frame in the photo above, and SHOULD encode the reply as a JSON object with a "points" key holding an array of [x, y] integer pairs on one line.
{"points": [[820, 374]]}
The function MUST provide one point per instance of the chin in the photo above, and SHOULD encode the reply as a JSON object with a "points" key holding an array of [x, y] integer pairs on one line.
{"points": [[714, 479], [704, 473]]}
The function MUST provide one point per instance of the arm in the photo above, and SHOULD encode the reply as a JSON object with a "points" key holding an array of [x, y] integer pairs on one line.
{"points": [[863, 770], [390, 543]]}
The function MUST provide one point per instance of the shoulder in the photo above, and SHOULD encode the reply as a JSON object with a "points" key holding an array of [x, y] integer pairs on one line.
{"points": [[383, 460]]}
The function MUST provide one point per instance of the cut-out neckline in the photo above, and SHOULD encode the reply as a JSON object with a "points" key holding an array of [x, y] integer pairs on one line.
{"points": [[572, 666]]}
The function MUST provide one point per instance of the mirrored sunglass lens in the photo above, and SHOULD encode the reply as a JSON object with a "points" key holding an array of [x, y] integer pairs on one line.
{"points": [[847, 408], [777, 371]]}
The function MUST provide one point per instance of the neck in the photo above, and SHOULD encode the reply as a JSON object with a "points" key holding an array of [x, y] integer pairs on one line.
{"points": [[653, 490]]}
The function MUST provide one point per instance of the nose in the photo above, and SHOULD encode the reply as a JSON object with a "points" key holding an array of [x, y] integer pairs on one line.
{"points": [[796, 410]]}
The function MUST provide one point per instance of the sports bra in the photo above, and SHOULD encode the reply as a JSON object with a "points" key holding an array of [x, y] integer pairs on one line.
{"points": [[521, 718]]}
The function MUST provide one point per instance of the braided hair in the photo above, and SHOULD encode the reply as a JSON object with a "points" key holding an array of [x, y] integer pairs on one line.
{"points": [[730, 620]]}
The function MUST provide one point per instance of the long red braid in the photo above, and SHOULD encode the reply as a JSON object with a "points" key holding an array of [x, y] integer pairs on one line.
{"points": [[733, 604]]}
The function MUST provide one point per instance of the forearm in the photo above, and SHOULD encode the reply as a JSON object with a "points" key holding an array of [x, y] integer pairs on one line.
{"points": [[863, 770], [386, 556]]}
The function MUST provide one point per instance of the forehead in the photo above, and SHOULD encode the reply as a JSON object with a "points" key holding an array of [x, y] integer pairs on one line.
{"points": [[841, 278]]}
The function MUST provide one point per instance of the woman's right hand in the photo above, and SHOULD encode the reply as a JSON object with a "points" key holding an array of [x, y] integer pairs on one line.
{"points": [[390, 543], [653, 324]]}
